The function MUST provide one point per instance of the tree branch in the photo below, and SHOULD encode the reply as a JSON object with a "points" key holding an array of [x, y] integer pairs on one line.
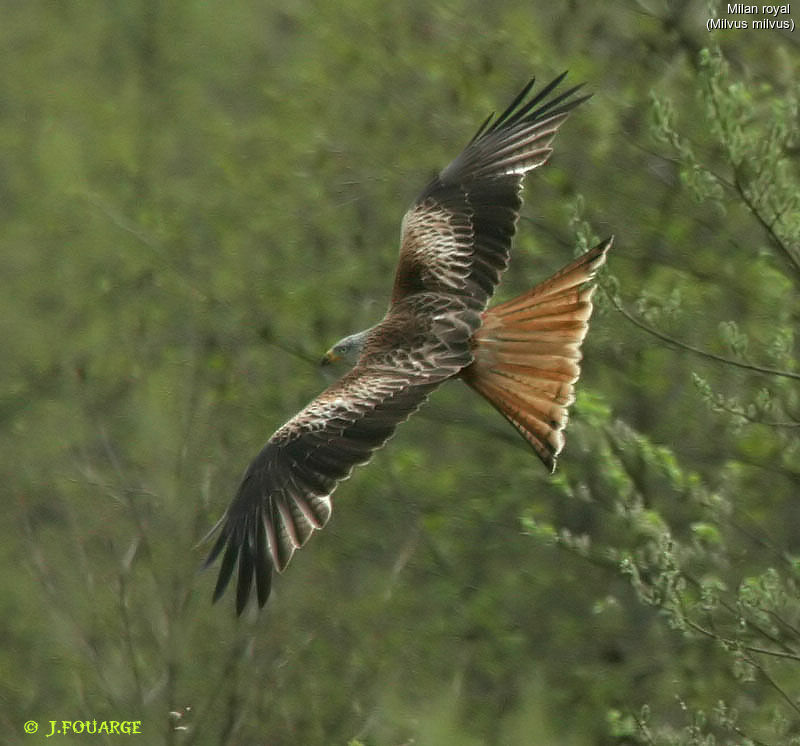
{"points": [[696, 350], [777, 241]]}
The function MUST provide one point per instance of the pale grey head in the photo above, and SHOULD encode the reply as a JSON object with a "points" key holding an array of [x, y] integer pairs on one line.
{"points": [[346, 350]]}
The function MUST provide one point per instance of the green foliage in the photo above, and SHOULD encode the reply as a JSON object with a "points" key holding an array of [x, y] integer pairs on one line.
{"points": [[198, 198]]}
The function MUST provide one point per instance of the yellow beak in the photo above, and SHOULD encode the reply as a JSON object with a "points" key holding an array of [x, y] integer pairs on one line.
{"points": [[330, 357]]}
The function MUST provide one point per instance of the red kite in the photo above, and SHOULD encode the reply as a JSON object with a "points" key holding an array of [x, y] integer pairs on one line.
{"points": [[522, 356]]}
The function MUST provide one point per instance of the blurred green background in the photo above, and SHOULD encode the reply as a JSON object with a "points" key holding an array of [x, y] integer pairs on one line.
{"points": [[198, 198]]}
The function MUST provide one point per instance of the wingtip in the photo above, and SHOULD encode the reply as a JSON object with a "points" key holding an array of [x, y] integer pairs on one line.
{"points": [[219, 544], [247, 557], [606, 244]]}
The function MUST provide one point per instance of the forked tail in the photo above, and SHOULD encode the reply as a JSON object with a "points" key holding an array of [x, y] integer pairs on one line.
{"points": [[527, 353]]}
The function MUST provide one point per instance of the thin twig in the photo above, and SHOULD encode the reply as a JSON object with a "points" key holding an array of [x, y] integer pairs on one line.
{"points": [[734, 644], [127, 637], [643, 729], [754, 420], [696, 350], [768, 227], [774, 684]]}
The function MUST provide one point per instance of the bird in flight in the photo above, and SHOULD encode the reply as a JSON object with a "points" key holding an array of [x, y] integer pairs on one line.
{"points": [[523, 355]]}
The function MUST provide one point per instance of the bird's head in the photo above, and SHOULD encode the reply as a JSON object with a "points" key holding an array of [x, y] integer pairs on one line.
{"points": [[346, 350]]}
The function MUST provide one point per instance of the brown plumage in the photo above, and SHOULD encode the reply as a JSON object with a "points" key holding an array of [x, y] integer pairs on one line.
{"points": [[522, 355]]}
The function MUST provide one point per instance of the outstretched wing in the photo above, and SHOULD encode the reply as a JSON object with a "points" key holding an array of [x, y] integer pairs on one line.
{"points": [[285, 493], [457, 236]]}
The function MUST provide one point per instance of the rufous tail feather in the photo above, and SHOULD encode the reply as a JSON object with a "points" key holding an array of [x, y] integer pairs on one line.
{"points": [[528, 350]]}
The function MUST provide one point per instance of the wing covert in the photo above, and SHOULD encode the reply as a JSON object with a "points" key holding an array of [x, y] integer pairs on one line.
{"points": [[457, 236], [285, 494]]}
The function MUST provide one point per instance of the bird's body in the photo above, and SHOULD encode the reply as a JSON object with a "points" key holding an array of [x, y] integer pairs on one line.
{"points": [[522, 356]]}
